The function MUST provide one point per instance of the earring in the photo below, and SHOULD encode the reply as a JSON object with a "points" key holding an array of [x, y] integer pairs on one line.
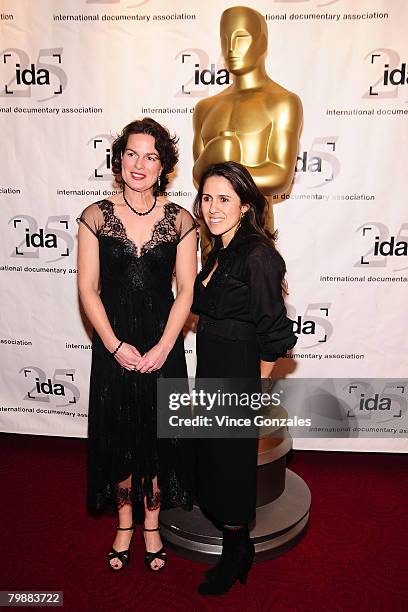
{"points": [[159, 181]]}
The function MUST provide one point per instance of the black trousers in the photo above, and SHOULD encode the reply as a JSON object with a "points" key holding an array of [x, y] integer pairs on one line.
{"points": [[226, 468]]}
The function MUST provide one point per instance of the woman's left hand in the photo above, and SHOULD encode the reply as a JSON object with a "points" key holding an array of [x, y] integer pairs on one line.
{"points": [[153, 359]]}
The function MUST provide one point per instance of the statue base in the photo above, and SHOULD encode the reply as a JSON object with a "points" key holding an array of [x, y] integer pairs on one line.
{"points": [[279, 525]]}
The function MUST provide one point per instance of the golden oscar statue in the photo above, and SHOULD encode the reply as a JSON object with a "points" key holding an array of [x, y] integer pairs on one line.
{"points": [[257, 123], [254, 121]]}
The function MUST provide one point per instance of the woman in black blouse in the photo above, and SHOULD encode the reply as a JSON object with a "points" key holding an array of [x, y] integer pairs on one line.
{"points": [[242, 330]]}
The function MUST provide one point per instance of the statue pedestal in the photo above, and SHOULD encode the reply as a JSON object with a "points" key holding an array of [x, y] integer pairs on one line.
{"points": [[282, 514]]}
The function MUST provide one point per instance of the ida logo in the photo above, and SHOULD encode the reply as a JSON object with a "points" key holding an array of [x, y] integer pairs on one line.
{"points": [[384, 246], [58, 388], [101, 144], [203, 73], [313, 327], [391, 73], [22, 75], [375, 403], [53, 240], [378, 396], [318, 165]]}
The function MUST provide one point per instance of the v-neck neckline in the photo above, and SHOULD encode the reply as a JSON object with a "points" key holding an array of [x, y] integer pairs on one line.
{"points": [[211, 274], [139, 251], [212, 271]]}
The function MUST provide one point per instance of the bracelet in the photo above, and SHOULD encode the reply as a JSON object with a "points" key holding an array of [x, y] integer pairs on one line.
{"points": [[117, 348]]}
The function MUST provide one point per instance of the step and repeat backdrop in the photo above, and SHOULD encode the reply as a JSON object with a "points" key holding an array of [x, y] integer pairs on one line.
{"points": [[73, 73]]}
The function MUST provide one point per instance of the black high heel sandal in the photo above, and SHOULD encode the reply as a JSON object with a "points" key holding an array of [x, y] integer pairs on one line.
{"points": [[122, 555], [151, 556]]}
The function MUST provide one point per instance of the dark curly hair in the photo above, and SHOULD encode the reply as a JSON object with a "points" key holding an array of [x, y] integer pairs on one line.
{"points": [[165, 144]]}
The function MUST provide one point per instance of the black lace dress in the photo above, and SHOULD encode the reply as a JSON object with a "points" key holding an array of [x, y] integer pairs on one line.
{"points": [[135, 289]]}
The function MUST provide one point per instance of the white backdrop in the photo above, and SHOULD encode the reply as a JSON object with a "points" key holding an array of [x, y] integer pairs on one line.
{"points": [[74, 72]]}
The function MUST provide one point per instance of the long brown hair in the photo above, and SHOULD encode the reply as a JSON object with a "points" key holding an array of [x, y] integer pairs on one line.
{"points": [[254, 220]]}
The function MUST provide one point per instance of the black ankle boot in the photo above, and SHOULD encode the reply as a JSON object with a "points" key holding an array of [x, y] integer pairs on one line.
{"points": [[236, 559]]}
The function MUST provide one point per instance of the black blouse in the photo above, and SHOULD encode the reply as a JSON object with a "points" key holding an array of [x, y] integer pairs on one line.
{"points": [[246, 286]]}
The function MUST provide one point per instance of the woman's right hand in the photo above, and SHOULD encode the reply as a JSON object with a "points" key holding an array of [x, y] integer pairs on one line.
{"points": [[128, 356]]}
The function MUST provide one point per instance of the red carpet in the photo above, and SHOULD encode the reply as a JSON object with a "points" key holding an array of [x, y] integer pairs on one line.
{"points": [[353, 557]]}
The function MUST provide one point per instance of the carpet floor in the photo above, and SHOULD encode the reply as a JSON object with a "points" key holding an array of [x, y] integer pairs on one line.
{"points": [[353, 556]]}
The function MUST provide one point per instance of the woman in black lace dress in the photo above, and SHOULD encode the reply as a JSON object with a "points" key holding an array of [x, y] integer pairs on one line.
{"points": [[242, 330], [128, 248]]}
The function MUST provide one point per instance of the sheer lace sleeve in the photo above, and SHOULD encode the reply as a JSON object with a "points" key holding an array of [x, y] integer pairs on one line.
{"points": [[185, 224], [92, 218]]}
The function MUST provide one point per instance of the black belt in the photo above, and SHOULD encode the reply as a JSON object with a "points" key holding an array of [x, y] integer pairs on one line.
{"points": [[230, 329]]}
